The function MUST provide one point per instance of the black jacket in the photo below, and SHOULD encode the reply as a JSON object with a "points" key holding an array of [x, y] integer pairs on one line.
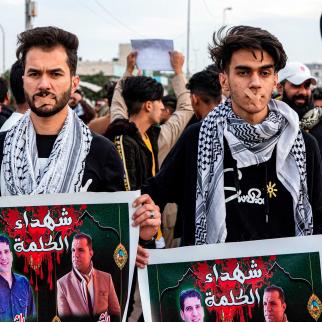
{"points": [[137, 158], [176, 182]]}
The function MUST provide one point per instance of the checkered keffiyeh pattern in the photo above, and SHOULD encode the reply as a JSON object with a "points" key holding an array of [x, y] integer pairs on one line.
{"points": [[249, 145], [65, 166]]}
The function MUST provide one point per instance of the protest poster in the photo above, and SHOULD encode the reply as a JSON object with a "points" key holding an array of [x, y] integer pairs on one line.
{"points": [[153, 54], [58, 275], [226, 282]]}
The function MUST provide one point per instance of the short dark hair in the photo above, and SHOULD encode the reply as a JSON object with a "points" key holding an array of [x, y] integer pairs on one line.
{"points": [[79, 91], [109, 91], [5, 240], [317, 93], [140, 89], [16, 82], [3, 89], [278, 289], [188, 293], [48, 38], [85, 236], [170, 101], [226, 42], [206, 85]]}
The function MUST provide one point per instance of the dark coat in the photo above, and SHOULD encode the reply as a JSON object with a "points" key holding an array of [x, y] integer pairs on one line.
{"points": [[137, 158]]}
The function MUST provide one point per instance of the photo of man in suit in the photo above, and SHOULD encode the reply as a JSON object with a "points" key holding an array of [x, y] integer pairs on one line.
{"points": [[85, 291]]}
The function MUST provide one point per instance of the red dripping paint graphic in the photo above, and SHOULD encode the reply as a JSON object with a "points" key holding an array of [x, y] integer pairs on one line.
{"points": [[231, 285], [40, 236]]}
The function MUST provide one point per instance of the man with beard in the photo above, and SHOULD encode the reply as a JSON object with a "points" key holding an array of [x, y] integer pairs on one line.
{"points": [[295, 87], [50, 150]]}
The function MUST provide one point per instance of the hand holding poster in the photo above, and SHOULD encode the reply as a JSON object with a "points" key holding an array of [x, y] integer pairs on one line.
{"points": [[66, 257], [235, 282]]}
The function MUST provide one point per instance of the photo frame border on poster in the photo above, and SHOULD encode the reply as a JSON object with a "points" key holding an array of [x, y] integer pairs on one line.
{"points": [[266, 247], [86, 198]]}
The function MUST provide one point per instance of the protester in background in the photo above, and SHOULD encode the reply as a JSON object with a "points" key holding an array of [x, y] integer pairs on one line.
{"points": [[136, 140], [248, 143], [295, 86], [317, 97], [83, 110], [171, 129], [16, 85], [100, 124], [224, 91], [174, 126], [5, 110], [169, 103], [136, 137], [205, 92]]}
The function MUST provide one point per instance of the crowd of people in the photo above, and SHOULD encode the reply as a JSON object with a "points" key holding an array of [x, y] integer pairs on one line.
{"points": [[221, 159]]}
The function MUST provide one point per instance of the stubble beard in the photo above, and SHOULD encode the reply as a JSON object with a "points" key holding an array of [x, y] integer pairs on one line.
{"points": [[44, 111]]}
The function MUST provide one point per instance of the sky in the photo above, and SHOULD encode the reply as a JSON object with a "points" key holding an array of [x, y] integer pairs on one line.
{"points": [[102, 24]]}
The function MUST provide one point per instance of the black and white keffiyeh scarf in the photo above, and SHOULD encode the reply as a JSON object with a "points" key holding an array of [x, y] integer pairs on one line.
{"points": [[249, 145], [64, 170]]}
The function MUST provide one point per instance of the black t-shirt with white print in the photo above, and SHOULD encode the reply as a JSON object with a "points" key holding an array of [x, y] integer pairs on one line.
{"points": [[258, 206]]}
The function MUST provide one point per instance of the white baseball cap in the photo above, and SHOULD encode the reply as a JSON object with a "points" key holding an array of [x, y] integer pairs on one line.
{"points": [[296, 73]]}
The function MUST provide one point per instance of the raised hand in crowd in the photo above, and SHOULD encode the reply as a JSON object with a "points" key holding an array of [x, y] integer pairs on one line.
{"points": [[177, 61], [131, 62]]}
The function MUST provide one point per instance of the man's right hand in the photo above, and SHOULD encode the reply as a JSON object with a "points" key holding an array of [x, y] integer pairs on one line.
{"points": [[131, 61], [177, 61]]}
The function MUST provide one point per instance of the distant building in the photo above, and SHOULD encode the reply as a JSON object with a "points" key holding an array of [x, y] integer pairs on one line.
{"points": [[316, 71], [124, 50], [88, 67], [115, 68]]}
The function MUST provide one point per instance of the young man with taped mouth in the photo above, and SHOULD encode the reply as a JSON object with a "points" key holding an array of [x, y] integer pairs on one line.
{"points": [[247, 172]]}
